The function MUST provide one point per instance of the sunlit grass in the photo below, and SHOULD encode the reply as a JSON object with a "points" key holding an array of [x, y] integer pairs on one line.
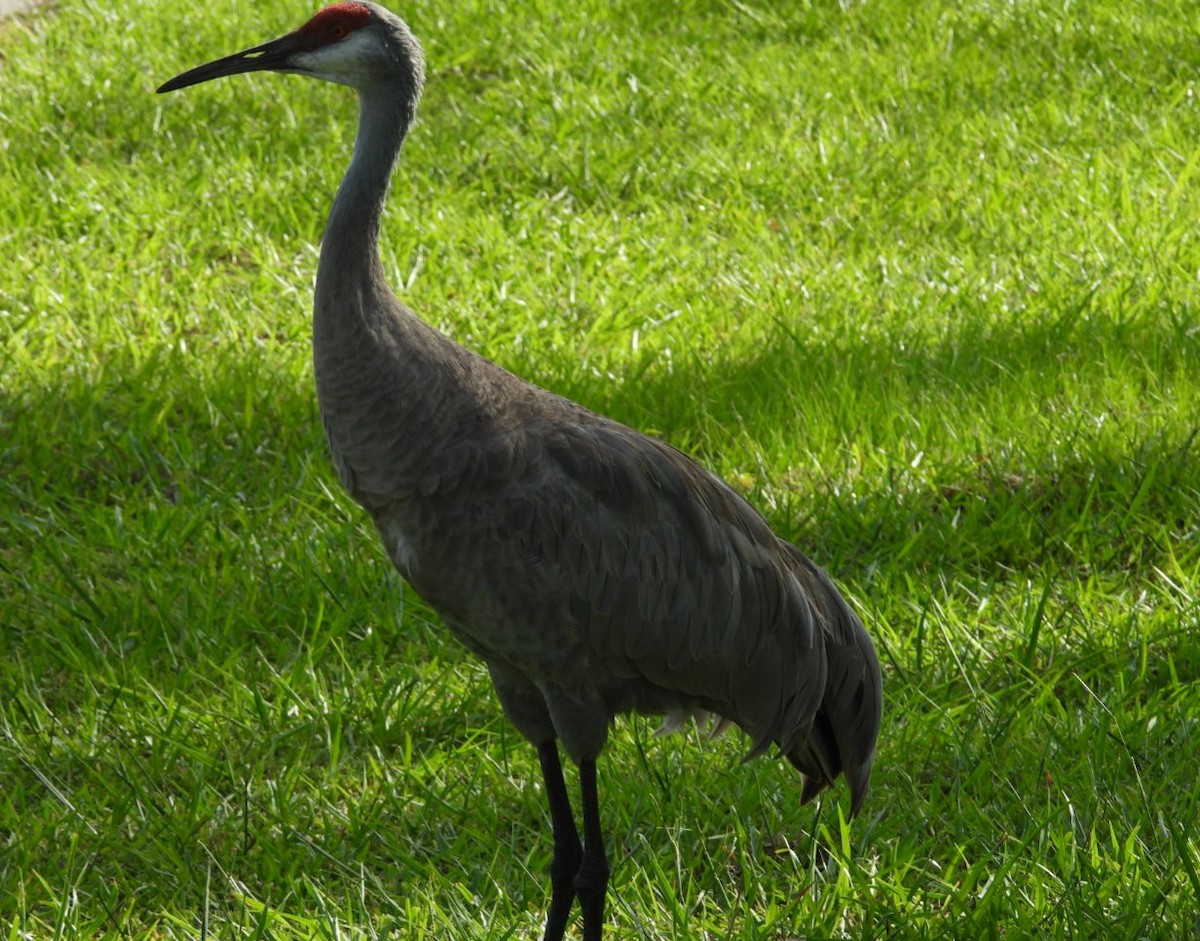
{"points": [[921, 280]]}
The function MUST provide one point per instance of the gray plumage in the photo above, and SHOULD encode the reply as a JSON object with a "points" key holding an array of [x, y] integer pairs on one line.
{"points": [[596, 571]]}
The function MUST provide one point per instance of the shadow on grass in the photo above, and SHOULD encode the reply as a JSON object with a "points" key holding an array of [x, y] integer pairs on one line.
{"points": [[234, 448], [170, 528], [1029, 460]]}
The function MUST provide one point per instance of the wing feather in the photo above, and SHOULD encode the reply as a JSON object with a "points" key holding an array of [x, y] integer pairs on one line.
{"points": [[675, 591], [675, 576]]}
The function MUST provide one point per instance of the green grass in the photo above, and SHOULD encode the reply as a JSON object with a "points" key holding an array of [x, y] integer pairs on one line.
{"points": [[922, 279]]}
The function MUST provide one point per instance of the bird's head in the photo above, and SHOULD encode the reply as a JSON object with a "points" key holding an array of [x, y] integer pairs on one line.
{"points": [[352, 43]]}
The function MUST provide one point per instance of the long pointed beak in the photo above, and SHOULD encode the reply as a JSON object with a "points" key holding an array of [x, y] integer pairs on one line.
{"points": [[273, 55]]}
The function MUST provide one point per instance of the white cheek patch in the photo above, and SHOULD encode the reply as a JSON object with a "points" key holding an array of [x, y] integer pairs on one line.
{"points": [[346, 62]]}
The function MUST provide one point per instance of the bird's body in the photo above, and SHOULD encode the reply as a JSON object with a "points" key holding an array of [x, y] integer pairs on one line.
{"points": [[596, 570]]}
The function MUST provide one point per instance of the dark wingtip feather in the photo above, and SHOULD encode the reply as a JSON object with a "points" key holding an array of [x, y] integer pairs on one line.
{"points": [[856, 710], [813, 786], [860, 783], [846, 726]]}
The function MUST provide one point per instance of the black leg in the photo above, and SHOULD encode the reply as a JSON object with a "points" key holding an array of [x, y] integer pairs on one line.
{"points": [[567, 851], [591, 881]]}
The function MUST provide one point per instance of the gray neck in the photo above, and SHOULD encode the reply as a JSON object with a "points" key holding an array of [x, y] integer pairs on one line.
{"points": [[350, 248]]}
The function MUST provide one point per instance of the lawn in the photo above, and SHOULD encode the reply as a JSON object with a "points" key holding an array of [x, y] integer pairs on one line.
{"points": [[921, 280]]}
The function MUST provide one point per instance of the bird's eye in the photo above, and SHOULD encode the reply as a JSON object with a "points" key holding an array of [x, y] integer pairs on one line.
{"points": [[337, 31]]}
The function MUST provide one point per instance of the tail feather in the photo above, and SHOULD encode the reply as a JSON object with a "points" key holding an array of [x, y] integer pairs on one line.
{"points": [[846, 726]]}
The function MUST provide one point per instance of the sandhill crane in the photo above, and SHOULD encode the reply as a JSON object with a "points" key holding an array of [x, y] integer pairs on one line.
{"points": [[595, 570]]}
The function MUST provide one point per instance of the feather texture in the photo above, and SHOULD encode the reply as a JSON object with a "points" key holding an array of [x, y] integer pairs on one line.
{"points": [[595, 569]]}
